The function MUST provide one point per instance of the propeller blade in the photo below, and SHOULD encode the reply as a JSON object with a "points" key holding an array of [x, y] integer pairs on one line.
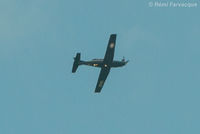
{"points": [[123, 58]]}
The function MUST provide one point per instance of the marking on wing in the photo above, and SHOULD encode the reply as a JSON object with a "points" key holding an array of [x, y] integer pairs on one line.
{"points": [[101, 83], [112, 45]]}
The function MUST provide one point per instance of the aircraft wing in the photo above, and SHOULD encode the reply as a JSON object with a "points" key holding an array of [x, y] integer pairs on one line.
{"points": [[102, 78], [108, 58]]}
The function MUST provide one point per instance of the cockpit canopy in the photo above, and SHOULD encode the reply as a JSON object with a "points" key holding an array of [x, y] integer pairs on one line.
{"points": [[97, 59]]}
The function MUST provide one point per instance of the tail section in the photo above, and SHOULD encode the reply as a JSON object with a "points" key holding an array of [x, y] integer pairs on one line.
{"points": [[76, 62]]}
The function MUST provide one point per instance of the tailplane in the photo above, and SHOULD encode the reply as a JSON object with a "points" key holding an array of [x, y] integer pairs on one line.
{"points": [[76, 62]]}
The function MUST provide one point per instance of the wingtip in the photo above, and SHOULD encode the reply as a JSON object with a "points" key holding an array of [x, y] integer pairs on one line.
{"points": [[113, 35], [96, 92]]}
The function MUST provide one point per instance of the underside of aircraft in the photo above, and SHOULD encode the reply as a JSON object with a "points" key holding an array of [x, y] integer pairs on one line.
{"points": [[105, 64]]}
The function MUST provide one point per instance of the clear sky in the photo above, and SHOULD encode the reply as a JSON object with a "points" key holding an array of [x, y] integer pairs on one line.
{"points": [[157, 92]]}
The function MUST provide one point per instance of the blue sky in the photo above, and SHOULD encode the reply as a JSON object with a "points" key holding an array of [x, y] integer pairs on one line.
{"points": [[157, 92]]}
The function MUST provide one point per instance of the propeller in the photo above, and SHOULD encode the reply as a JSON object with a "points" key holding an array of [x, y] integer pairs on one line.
{"points": [[123, 58]]}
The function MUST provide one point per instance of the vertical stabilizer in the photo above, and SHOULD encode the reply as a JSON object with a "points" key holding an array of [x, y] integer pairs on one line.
{"points": [[76, 62]]}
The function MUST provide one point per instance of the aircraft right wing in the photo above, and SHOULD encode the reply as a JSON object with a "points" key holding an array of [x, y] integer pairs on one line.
{"points": [[102, 78]]}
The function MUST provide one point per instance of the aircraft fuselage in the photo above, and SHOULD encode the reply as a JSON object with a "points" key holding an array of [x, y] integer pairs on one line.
{"points": [[100, 63]]}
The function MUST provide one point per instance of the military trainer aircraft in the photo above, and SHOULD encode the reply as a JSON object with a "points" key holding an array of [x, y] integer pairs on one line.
{"points": [[105, 64]]}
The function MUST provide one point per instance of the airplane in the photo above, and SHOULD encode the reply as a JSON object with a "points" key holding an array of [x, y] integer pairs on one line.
{"points": [[105, 64]]}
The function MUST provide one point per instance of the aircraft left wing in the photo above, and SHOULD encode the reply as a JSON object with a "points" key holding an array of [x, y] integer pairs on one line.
{"points": [[102, 78]]}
